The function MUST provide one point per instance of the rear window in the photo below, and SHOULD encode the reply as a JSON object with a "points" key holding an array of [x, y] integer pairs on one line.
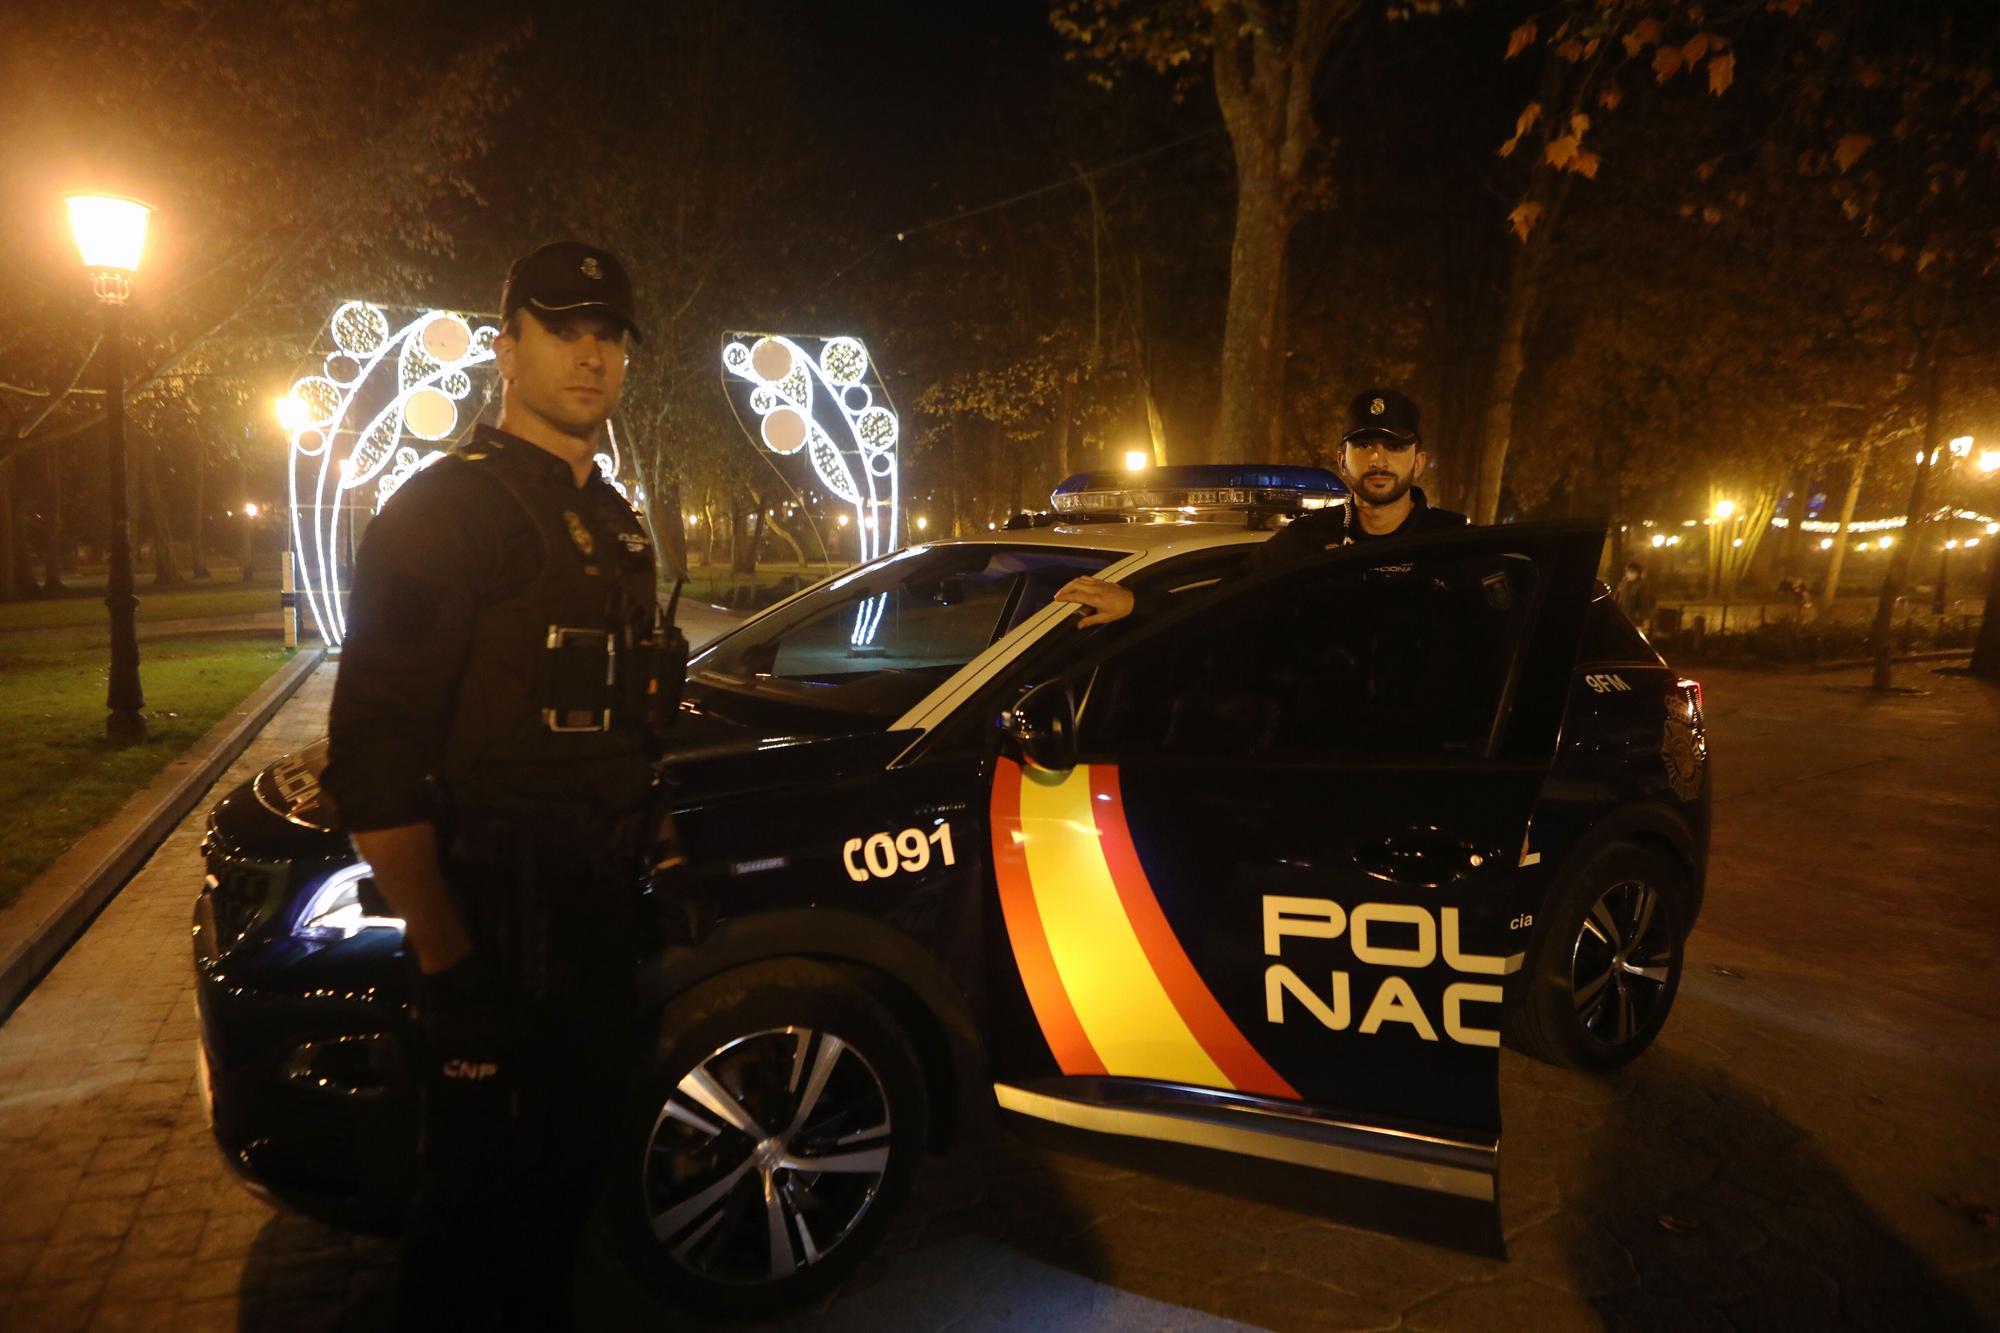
{"points": [[1609, 637]]}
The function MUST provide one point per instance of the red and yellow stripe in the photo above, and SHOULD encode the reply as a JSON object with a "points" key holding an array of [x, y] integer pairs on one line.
{"points": [[1111, 986]]}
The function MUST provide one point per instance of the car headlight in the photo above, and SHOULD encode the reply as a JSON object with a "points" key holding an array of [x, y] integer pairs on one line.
{"points": [[334, 910]]}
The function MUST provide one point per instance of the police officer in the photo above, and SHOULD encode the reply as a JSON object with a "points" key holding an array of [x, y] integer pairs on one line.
{"points": [[1382, 458], [489, 753]]}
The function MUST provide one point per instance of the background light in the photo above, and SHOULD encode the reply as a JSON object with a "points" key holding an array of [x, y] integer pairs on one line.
{"points": [[923, 524], [1659, 540], [1989, 460], [1961, 446], [1826, 543], [1137, 460], [293, 412], [249, 509], [1725, 508], [110, 230]]}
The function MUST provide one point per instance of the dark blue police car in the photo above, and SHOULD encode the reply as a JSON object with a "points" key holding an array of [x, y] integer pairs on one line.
{"points": [[1262, 880]]}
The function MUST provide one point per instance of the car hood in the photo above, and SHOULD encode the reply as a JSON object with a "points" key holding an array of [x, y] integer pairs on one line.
{"points": [[284, 812]]}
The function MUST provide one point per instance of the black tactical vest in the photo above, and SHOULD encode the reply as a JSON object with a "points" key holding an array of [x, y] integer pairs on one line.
{"points": [[555, 718]]}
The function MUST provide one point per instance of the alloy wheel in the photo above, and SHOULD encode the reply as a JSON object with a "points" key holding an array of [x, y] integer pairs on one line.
{"points": [[1621, 963], [766, 1156]]}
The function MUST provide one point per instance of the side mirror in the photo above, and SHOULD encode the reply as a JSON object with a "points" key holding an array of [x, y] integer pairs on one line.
{"points": [[1042, 722]]}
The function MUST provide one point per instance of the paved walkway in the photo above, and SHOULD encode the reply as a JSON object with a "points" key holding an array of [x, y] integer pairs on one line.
{"points": [[1811, 1145]]}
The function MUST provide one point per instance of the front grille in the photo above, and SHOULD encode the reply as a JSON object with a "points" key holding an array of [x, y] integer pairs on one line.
{"points": [[241, 893]]}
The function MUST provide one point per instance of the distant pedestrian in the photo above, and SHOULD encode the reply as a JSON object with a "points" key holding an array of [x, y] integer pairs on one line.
{"points": [[1635, 598]]}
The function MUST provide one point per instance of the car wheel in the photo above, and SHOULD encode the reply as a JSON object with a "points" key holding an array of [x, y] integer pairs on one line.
{"points": [[777, 1129], [1601, 977]]}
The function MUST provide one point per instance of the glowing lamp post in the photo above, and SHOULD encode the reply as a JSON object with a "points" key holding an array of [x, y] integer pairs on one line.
{"points": [[111, 236]]}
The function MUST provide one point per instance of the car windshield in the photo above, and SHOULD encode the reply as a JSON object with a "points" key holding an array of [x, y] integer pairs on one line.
{"points": [[876, 641]]}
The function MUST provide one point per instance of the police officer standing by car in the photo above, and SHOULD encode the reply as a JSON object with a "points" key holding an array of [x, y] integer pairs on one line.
{"points": [[490, 746], [1382, 457]]}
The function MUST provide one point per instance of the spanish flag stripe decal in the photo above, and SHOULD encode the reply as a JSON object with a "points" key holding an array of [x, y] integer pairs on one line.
{"points": [[1125, 1010], [1050, 1001], [1246, 1070]]}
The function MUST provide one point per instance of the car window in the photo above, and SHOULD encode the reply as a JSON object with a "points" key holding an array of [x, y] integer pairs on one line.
{"points": [[880, 640], [1409, 660]]}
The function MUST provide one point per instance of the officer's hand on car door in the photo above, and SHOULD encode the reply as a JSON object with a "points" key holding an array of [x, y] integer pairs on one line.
{"points": [[1106, 602]]}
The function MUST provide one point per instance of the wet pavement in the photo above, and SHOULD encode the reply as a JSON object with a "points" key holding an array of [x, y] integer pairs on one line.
{"points": [[1810, 1145]]}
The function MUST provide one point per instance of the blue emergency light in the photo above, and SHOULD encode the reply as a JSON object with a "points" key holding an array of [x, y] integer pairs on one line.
{"points": [[1197, 489]]}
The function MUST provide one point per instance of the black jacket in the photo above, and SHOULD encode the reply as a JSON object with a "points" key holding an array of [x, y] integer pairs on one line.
{"points": [[1322, 530]]}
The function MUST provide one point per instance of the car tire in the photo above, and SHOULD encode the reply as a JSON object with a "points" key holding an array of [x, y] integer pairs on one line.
{"points": [[1602, 973], [754, 1074]]}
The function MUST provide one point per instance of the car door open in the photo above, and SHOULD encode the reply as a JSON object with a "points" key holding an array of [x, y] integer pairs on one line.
{"points": [[1265, 912]]}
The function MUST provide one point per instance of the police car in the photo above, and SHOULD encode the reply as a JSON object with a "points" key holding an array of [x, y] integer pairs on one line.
{"points": [[1260, 879]]}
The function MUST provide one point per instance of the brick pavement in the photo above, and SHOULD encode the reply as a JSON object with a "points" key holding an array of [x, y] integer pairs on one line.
{"points": [[118, 1211], [1809, 1146]]}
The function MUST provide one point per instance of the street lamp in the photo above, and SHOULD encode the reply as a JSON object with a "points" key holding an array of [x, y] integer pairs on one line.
{"points": [[1137, 460], [110, 236]]}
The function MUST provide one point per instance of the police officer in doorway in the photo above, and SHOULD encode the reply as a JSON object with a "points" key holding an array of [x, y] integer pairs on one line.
{"points": [[1382, 458], [490, 743]]}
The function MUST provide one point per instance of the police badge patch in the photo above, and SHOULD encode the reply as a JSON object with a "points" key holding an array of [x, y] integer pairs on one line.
{"points": [[579, 534], [591, 268], [1377, 408], [1684, 750]]}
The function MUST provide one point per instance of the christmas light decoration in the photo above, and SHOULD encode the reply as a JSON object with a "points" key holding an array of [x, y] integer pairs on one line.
{"points": [[824, 397], [378, 387]]}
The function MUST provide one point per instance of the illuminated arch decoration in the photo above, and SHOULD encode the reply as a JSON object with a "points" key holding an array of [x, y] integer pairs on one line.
{"points": [[385, 404], [824, 398]]}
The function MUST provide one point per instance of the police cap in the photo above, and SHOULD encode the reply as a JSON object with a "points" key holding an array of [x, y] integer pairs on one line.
{"points": [[570, 277], [1381, 412]]}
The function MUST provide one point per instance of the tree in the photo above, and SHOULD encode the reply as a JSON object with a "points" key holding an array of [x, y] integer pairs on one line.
{"points": [[1263, 59], [292, 157]]}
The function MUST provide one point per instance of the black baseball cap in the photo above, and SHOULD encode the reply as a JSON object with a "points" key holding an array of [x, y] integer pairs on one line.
{"points": [[570, 277], [1381, 412]]}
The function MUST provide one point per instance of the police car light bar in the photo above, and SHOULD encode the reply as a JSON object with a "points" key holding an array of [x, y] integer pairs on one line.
{"points": [[1198, 488]]}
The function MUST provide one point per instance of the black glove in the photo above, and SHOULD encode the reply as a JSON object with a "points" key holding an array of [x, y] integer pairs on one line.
{"points": [[468, 1027]]}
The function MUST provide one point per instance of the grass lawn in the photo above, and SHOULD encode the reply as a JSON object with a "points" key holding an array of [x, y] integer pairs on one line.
{"points": [[82, 603], [59, 778]]}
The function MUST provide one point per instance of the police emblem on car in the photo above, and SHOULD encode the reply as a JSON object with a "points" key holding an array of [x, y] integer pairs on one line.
{"points": [[943, 857]]}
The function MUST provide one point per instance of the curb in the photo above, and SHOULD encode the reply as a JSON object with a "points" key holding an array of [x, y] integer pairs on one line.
{"points": [[69, 894]]}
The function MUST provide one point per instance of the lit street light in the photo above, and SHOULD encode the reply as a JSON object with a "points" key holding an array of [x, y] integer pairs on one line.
{"points": [[1137, 460], [293, 413], [110, 237]]}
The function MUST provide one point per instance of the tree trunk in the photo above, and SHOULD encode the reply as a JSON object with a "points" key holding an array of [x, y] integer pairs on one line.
{"points": [[1793, 533], [1882, 636], [742, 551], [52, 532], [165, 572], [248, 524], [9, 587], [1248, 420], [957, 489], [798, 551], [1263, 84], [674, 545], [1837, 556], [1496, 415], [198, 530], [1986, 652]]}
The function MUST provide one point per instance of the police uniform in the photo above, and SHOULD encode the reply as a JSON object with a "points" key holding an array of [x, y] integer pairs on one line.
{"points": [[502, 678], [1374, 411]]}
